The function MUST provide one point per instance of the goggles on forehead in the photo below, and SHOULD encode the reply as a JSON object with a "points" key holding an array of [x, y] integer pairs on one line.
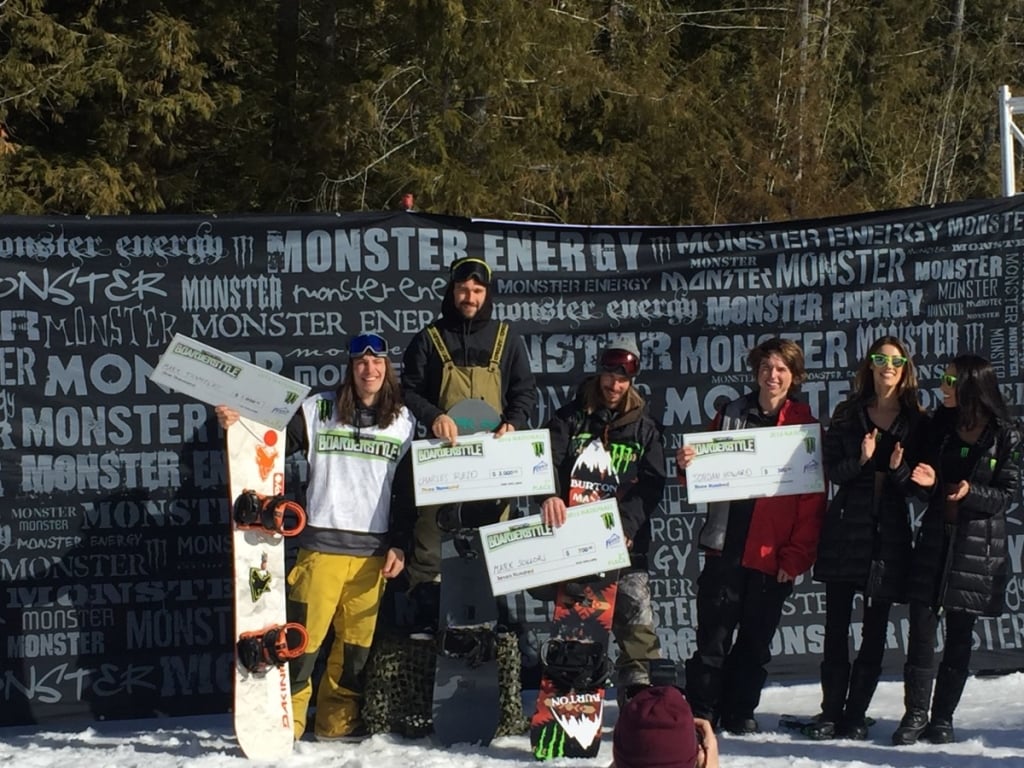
{"points": [[620, 361], [897, 361], [465, 269], [368, 344]]}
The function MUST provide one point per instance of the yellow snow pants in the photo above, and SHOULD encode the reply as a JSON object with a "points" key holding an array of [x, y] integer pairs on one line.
{"points": [[342, 592]]}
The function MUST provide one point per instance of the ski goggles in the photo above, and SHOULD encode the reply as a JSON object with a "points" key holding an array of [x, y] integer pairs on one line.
{"points": [[896, 361], [949, 380], [368, 344], [620, 361], [471, 269]]}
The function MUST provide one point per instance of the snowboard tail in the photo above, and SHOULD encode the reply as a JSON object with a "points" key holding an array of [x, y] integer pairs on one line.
{"points": [[570, 703]]}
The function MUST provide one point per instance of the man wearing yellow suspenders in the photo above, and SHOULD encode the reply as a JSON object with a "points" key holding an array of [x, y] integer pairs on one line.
{"points": [[463, 354]]}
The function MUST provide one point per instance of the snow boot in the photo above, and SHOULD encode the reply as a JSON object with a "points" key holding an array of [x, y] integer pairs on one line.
{"points": [[835, 677], [741, 696], [863, 682], [949, 686], [703, 689], [917, 691]]}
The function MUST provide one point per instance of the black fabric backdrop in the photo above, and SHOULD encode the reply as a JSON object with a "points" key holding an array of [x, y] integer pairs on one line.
{"points": [[114, 565]]}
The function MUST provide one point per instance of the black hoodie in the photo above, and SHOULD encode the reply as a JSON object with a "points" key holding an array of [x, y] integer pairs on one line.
{"points": [[470, 343]]}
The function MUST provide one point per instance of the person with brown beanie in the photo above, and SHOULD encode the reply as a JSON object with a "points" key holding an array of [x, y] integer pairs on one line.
{"points": [[656, 729]]}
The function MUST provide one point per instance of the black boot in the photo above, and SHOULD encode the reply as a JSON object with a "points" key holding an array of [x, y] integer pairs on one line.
{"points": [[863, 681], [949, 685], [835, 677], [703, 689], [917, 692], [740, 697]]}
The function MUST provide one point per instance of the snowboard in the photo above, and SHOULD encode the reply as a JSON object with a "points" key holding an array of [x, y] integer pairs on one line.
{"points": [[465, 705], [261, 520], [575, 667]]}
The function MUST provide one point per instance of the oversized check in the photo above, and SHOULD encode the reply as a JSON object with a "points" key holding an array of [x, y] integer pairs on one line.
{"points": [[747, 463], [217, 378], [482, 466], [525, 553]]}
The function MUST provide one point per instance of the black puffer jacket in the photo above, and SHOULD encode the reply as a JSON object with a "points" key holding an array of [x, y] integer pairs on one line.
{"points": [[975, 579], [852, 535]]}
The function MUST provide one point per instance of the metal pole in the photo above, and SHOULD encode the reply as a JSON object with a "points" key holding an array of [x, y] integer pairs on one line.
{"points": [[1006, 141]]}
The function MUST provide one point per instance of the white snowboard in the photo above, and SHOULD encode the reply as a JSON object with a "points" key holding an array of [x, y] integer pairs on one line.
{"points": [[262, 701]]}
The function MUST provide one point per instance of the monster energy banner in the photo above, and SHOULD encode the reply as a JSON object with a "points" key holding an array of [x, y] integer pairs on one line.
{"points": [[114, 568]]}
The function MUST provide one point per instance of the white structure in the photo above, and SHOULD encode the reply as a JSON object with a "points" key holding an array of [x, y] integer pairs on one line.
{"points": [[1009, 132]]}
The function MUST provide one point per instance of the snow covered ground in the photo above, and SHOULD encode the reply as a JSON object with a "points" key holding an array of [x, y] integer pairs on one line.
{"points": [[989, 724]]}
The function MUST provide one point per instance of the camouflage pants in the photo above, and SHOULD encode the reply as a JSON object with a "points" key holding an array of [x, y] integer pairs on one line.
{"points": [[633, 629], [400, 683]]}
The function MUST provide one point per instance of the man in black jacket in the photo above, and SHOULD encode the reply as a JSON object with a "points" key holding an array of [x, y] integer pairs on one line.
{"points": [[610, 409], [462, 354]]}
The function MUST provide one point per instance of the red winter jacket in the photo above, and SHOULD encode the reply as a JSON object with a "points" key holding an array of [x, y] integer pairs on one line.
{"points": [[783, 530]]}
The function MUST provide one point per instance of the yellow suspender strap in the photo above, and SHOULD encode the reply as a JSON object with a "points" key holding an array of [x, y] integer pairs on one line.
{"points": [[499, 344], [442, 350]]}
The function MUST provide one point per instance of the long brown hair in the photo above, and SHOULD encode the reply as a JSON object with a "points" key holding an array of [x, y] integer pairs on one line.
{"points": [[389, 399], [864, 381]]}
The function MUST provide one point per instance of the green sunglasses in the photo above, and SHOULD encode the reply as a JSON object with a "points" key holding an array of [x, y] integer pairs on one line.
{"points": [[897, 361], [949, 379]]}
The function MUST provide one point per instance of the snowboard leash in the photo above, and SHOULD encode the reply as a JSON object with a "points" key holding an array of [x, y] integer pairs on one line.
{"points": [[274, 646], [255, 512]]}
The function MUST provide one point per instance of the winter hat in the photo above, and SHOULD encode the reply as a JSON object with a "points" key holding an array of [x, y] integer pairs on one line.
{"points": [[655, 729], [620, 355]]}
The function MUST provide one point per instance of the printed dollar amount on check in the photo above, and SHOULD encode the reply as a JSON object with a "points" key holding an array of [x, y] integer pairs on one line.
{"points": [[483, 466], [526, 553], [748, 463]]}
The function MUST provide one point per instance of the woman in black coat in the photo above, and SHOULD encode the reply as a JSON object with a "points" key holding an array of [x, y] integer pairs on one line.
{"points": [[972, 471], [866, 539]]}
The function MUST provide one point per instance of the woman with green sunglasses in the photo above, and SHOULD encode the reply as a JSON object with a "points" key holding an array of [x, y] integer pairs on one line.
{"points": [[971, 474], [866, 538]]}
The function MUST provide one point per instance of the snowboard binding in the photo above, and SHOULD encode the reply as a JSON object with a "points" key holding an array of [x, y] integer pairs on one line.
{"points": [[267, 513], [271, 647], [576, 665], [475, 645]]}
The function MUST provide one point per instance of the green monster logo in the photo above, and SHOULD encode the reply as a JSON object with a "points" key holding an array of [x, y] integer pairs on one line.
{"points": [[809, 442], [551, 743], [538, 449], [623, 455], [609, 520]]}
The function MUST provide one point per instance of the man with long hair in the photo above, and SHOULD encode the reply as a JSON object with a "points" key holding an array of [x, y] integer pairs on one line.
{"points": [[610, 410], [354, 439]]}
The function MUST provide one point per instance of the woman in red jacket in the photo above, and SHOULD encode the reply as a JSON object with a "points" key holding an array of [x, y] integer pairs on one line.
{"points": [[753, 551]]}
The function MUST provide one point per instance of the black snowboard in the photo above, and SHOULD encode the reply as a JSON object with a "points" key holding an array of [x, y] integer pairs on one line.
{"points": [[466, 694]]}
